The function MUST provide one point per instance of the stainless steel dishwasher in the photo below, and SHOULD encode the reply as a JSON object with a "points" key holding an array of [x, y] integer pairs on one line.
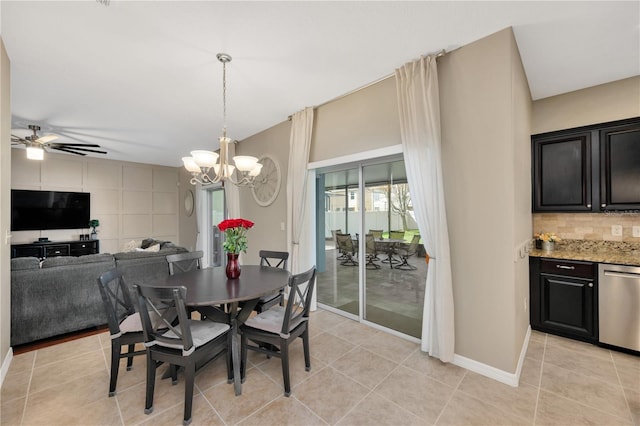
{"points": [[619, 305]]}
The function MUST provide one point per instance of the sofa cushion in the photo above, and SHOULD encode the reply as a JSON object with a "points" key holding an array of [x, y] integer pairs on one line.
{"points": [[25, 263], [72, 260]]}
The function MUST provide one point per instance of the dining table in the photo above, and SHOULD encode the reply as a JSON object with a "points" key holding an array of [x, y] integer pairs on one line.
{"points": [[218, 298], [388, 246]]}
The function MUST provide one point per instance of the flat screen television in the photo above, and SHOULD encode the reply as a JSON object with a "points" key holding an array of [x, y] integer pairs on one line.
{"points": [[40, 210]]}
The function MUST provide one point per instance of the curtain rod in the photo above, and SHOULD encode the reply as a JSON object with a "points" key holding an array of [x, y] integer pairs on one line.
{"points": [[437, 55]]}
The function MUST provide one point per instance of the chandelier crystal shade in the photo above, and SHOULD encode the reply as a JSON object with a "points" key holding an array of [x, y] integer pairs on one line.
{"points": [[208, 167]]}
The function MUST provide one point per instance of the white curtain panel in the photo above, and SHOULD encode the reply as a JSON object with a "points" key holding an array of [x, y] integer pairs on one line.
{"points": [[419, 107], [299, 146]]}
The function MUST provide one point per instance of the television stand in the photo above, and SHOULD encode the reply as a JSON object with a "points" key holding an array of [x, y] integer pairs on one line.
{"points": [[42, 250]]}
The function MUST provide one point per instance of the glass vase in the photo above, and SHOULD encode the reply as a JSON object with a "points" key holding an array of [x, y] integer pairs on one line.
{"points": [[233, 267]]}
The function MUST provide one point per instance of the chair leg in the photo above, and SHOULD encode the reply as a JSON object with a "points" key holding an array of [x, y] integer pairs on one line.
{"points": [[132, 349], [243, 356], [189, 373], [230, 361], [305, 346], [151, 383], [115, 366], [284, 355]]}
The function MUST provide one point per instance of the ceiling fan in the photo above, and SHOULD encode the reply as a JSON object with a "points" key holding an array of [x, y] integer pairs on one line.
{"points": [[37, 145]]}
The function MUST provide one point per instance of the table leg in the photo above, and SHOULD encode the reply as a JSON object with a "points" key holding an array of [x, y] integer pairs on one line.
{"points": [[235, 355]]}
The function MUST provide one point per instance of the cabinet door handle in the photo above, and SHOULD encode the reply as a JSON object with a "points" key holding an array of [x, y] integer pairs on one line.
{"points": [[588, 206], [603, 205], [571, 268], [591, 285]]}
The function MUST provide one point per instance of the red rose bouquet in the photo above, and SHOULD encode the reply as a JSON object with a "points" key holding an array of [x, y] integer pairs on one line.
{"points": [[235, 231]]}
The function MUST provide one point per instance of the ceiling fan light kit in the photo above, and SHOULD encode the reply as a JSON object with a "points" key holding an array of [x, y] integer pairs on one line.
{"points": [[37, 145], [35, 151], [202, 162]]}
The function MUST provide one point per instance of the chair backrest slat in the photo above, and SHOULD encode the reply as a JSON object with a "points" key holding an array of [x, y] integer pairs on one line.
{"points": [[184, 262], [270, 257], [116, 299], [299, 303], [168, 304]]}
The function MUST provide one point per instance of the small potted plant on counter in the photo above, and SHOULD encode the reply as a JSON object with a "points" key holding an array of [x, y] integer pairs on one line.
{"points": [[546, 240]]}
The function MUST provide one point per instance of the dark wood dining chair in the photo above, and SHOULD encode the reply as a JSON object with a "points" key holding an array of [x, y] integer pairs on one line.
{"points": [[184, 262], [125, 327], [275, 259], [177, 340], [274, 330]]}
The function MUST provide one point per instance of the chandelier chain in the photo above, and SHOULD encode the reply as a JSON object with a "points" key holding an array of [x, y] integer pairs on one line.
{"points": [[224, 98]]}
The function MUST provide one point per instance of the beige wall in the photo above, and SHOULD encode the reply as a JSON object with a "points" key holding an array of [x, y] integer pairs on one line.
{"points": [[485, 135], [188, 226], [486, 144], [133, 201], [607, 102], [5, 213], [267, 233], [598, 104], [363, 121]]}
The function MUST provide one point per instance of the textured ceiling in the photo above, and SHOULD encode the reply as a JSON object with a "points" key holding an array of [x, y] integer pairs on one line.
{"points": [[142, 80]]}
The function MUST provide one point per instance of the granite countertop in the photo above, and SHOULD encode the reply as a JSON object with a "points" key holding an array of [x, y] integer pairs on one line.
{"points": [[617, 252]]}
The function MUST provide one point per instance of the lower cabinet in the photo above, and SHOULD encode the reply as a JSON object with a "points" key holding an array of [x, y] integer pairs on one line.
{"points": [[564, 297]]}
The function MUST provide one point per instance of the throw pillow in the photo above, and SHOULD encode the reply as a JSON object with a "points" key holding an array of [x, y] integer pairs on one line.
{"points": [[130, 246]]}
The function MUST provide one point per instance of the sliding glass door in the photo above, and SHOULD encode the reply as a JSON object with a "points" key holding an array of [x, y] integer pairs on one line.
{"points": [[380, 276]]}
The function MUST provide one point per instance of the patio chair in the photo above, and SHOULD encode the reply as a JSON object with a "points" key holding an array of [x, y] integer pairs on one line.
{"points": [[187, 343], [405, 251], [276, 259], [377, 233], [125, 328], [275, 329], [371, 252], [347, 249]]}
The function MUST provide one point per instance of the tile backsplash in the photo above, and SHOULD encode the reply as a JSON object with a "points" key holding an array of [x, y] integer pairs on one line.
{"points": [[588, 226]]}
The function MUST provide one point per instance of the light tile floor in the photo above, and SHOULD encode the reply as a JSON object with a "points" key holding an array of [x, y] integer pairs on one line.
{"points": [[359, 376]]}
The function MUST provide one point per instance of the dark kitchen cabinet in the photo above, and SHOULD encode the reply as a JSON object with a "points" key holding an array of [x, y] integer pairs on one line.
{"points": [[564, 295], [588, 169], [562, 172], [620, 167]]}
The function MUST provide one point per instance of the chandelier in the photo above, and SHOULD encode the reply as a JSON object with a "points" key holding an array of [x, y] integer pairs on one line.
{"points": [[204, 166]]}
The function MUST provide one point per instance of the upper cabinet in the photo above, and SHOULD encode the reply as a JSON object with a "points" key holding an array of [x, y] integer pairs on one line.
{"points": [[620, 167], [588, 169]]}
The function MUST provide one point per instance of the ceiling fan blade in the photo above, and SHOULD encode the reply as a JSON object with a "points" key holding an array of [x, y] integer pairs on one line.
{"points": [[15, 138], [90, 145], [65, 147], [70, 151], [47, 138]]}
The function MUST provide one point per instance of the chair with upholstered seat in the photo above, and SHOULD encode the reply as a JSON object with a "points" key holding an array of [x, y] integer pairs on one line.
{"points": [[405, 251], [371, 252], [377, 233], [348, 249], [274, 330], [178, 340], [274, 259], [125, 328], [184, 262]]}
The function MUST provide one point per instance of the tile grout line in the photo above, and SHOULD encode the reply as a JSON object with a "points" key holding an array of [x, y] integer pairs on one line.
{"points": [[544, 351], [624, 394], [26, 399]]}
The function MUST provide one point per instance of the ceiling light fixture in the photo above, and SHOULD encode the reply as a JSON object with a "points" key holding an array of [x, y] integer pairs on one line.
{"points": [[202, 163], [35, 151]]}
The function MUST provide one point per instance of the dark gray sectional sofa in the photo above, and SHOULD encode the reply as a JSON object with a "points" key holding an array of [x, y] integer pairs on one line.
{"points": [[60, 295]]}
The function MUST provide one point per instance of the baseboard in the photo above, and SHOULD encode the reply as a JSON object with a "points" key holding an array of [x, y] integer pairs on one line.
{"points": [[511, 379], [5, 366]]}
